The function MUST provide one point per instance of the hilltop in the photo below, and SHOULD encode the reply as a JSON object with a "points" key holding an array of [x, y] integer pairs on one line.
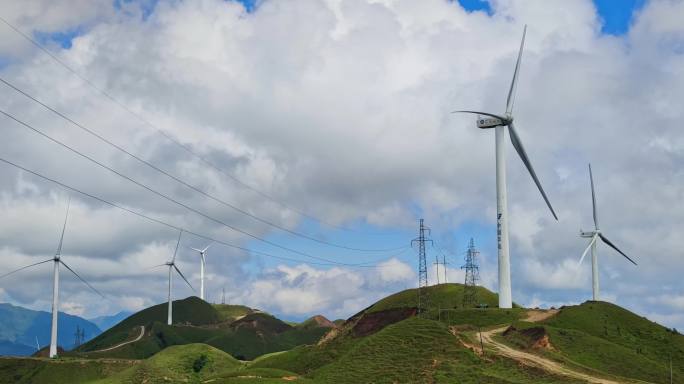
{"points": [[242, 332], [387, 343]]}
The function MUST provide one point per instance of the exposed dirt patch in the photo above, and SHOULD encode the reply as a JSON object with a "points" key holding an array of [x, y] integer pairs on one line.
{"points": [[370, 323], [533, 360], [537, 315], [535, 337]]}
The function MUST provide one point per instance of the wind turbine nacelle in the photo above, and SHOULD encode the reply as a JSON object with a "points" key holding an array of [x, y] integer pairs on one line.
{"points": [[489, 122]]}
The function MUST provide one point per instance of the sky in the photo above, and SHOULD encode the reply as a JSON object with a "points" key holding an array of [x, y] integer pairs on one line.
{"points": [[336, 116]]}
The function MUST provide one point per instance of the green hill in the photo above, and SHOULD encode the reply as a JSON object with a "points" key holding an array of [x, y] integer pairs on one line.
{"points": [[414, 350], [181, 363], [250, 335], [603, 336], [439, 296], [384, 343], [230, 313]]}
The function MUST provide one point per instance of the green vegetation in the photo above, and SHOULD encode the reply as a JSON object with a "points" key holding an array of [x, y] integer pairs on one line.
{"points": [[58, 371], [603, 337], [251, 335], [445, 296], [485, 317], [177, 364], [230, 313], [414, 350], [382, 344]]}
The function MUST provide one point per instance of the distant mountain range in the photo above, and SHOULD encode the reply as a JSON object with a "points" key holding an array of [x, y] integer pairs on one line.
{"points": [[21, 327], [106, 322]]}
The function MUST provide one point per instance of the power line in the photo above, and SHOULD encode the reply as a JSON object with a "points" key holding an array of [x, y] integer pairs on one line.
{"points": [[169, 225], [185, 147], [180, 181], [166, 197]]}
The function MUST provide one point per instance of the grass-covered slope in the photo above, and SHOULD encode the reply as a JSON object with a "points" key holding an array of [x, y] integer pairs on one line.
{"points": [[190, 311], [60, 371], [439, 296], [231, 312], [251, 335], [414, 350], [191, 363], [605, 336]]}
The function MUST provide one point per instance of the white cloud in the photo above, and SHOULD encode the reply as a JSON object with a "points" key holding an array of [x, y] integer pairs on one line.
{"points": [[394, 270], [342, 107]]}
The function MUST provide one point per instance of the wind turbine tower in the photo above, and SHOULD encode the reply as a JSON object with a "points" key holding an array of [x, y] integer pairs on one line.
{"points": [[202, 253], [487, 120], [594, 236], [57, 260], [172, 265]]}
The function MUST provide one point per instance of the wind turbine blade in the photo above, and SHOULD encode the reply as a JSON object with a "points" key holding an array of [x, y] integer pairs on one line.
{"points": [[195, 249], [157, 266], [61, 238], [605, 240], [517, 144], [511, 92], [181, 275], [207, 247], [177, 244], [482, 113], [82, 279], [22, 268], [593, 197], [593, 240]]}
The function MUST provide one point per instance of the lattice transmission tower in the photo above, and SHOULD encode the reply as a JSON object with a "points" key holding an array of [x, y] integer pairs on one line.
{"points": [[423, 299], [472, 276]]}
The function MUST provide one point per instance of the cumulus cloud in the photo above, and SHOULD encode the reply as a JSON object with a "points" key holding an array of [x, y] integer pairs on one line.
{"points": [[341, 108]]}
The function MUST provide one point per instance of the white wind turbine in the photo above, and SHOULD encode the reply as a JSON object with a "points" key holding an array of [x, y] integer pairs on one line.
{"points": [[172, 265], [202, 253], [57, 259], [595, 235], [499, 122]]}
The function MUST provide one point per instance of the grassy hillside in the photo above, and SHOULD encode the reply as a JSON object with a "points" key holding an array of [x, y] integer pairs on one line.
{"points": [[60, 371], [183, 363], [606, 338], [439, 296], [230, 313], [603, 336], [414, 350], [189, 311], [250, 336]]}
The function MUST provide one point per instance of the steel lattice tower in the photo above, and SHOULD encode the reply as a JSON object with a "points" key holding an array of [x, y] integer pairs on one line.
{"points": [[472, 276], [423, 300]]}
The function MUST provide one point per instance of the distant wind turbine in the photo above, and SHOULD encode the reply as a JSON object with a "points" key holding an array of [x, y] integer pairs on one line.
{"points": [[499, 122], [594, 235], [172, 265], [202, 253], [55, 291]]}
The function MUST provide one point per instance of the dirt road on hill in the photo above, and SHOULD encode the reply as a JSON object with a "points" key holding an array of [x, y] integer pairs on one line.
{"points": [[142, 333], [533, 360]]}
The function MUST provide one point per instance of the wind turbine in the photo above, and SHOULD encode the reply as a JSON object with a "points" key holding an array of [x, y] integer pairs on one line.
{"points": [[499, 122], [202, 253], [595, 235], [172, 265], [57, 259]]}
